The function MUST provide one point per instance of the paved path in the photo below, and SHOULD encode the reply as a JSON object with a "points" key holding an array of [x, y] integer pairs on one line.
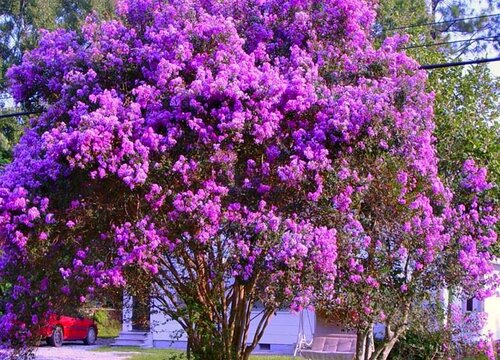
{"points": [[76, 351]]}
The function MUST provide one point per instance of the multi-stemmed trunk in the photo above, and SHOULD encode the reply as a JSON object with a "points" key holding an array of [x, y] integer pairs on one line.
{"points": [[365, 347], [213, 313], [365, 343], [226, 337]]}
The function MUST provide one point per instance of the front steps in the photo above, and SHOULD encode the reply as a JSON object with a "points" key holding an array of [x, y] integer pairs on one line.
{"points": [[136, 338]]}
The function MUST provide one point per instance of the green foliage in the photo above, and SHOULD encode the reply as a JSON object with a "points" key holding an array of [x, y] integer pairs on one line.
{"points": [[420, 345], [477, 25], [467, 119], [3, 289], [101, 317], [20, 22], [398, 13], [467, 115], [109, 326], [10, 131], [414, 17], [467, 112]]}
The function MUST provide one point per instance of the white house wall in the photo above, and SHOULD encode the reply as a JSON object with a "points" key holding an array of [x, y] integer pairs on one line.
{"points": [[283, 329], [280, 335], [492, 308]]}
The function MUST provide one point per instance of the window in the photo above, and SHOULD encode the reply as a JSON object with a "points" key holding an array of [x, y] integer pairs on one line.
{"points": [[266, 347], [469, 306]]}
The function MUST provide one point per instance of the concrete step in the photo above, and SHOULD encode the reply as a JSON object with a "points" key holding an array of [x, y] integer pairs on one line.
{"points": [[133, 338], [132, 335], [128, 342]]}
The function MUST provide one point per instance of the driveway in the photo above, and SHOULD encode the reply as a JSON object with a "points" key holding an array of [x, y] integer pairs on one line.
{"points": [[77, 351]]}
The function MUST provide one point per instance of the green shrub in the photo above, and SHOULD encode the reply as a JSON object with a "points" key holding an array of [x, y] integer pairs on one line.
{"points": [[420, 345], [108, 323]]}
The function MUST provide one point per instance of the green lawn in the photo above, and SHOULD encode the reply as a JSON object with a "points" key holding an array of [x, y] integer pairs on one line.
{"points": [[165, 354]]}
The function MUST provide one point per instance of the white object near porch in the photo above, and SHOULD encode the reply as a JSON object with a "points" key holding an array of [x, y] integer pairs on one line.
{"points": [[330, 342]]}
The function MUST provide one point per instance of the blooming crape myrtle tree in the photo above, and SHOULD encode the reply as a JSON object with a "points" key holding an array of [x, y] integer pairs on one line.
{"points": [[399, 250], [215, 152], [465, 104]]}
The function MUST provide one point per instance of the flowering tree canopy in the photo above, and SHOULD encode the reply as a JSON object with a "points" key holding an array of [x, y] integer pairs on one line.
{"points": [[228, 152]]}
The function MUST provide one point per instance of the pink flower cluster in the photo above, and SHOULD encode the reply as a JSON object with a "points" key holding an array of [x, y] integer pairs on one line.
{"points": [[467, 332], [265, 141]]}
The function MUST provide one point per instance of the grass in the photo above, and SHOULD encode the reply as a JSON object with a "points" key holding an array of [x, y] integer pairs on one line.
{"points": [[168, 354]]}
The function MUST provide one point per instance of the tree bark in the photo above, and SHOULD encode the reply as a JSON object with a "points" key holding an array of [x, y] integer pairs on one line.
{"points": [[361, 345], [369, 343], [365, 344], [388, 347], [392, 337]]}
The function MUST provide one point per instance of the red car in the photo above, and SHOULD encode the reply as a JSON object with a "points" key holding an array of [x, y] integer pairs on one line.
{"points": [[66, 328]]}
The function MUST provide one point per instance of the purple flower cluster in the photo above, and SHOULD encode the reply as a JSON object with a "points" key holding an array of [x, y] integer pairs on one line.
{"points": [[467, 332], [267, 141]]}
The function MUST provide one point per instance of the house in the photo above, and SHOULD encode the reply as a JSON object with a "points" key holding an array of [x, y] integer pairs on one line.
{"points": [[281, 335], [489, 306], [284, 331]]}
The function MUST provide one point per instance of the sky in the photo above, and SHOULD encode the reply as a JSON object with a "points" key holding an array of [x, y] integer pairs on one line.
{"points": [[479, 5], [495, 66]]}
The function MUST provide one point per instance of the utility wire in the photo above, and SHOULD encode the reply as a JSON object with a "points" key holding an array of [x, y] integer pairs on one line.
{"points": [[441, 22], [497, 36], [459, 63], [2, 116]]}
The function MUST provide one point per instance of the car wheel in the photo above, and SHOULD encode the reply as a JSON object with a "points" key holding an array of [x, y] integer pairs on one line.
{"points": [[56, 339], [91, 336]]}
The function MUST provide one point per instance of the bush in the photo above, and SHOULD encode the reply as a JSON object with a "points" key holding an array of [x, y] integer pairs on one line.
{"points": [[108, 322], [420, 345]]}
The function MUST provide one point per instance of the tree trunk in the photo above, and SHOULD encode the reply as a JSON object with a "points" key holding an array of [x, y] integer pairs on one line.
{"points": [[188, 348], [365, 344], [388, 347], [392, 337], [369, 344], [229, 340], [216, 317], [361, 345]]}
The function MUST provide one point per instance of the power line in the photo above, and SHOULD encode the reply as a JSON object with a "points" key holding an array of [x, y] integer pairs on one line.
{"points": [[497, 36], [2, 116], [459, 63], [441, 22]]}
